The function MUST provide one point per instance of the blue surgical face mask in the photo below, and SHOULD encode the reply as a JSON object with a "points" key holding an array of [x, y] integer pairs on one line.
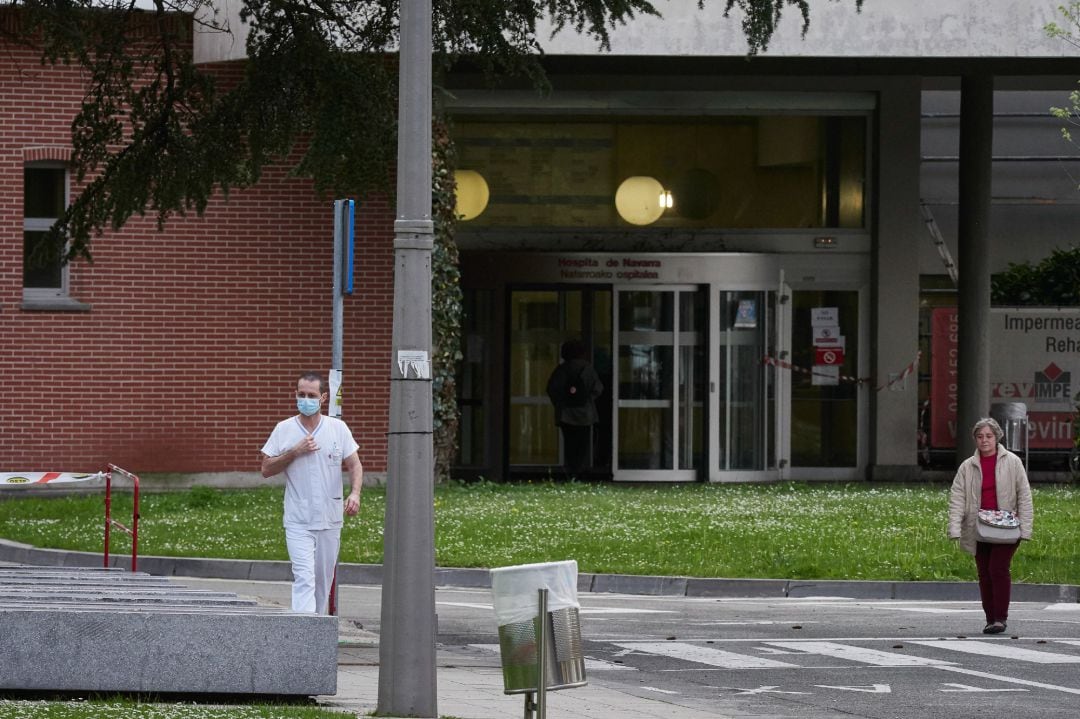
{"points": [[308, 406]]}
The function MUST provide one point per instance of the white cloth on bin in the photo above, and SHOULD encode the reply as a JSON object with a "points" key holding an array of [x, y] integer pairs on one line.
{"points": [[516, 589]]}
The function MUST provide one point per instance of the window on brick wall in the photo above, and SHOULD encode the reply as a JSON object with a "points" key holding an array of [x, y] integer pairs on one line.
{"points": [[45, 195]]}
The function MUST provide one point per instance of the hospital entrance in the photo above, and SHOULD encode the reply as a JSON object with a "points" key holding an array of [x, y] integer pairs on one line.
{"points": [[718, 377]]}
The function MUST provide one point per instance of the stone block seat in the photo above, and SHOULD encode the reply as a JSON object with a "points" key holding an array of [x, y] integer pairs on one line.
{"points": [[109, 630]]}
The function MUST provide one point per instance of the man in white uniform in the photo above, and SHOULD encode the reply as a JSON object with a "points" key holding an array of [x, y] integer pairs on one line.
{"points": [[310, 449]]}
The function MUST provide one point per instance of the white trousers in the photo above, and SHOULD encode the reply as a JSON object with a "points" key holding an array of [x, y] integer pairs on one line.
{"points": [[313, 553]]}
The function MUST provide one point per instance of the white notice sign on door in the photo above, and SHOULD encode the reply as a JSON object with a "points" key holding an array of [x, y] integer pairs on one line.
{"points": [[827, 336], [824, 375], [821, 316]]}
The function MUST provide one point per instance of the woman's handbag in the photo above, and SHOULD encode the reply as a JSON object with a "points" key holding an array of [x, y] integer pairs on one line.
{"points": [[997, 526]]}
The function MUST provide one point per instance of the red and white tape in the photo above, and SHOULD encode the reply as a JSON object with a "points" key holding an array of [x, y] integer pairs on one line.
{"points": [[28, 478], [846, 378]]}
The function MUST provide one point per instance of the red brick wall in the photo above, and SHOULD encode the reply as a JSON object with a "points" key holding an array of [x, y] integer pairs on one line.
{"points": [[195, 334]]}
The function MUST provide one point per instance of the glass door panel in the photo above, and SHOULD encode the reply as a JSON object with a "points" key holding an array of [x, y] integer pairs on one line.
{"points": [[661, 374], [473, 379], [603, 363], [744, 391], [693, 370], [824, 405], [645, 394], [539, 322]]}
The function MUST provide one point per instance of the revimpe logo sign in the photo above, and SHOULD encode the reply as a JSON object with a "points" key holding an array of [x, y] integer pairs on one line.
{"points": [[1034, 354]]}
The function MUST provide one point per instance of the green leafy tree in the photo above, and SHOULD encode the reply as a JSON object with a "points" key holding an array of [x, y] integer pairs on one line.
{"points": [[1054, 282], [1070, 33], [158, 133]]}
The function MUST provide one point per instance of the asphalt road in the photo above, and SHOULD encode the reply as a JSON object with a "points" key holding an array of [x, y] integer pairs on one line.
{"points": [[793, 657]]}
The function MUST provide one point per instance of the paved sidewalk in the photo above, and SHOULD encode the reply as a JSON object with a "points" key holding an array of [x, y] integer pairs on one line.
{"points": [[473, 689], [467, 686]]}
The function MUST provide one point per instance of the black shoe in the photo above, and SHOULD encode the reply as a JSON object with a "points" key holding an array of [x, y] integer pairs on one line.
{"points": [[989, 628], [995, 628]]}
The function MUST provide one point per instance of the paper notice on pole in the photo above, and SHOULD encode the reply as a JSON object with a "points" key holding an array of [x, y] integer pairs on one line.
{"points": [[415, 360], [335, 393]]}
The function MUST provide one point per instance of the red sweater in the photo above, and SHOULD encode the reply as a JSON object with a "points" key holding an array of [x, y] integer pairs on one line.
{"points": [[989, 486]]}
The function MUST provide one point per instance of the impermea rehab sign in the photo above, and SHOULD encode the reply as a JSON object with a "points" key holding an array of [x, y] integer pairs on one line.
{"points": [[1034, 359]]}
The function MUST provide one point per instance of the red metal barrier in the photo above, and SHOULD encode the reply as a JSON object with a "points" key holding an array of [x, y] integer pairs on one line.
{"points": [[332, 609], [110, 522]]}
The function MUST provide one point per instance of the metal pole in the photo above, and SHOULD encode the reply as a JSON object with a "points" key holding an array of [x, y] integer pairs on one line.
{"points": [[407, 640], [338, 320], [337, 341], [973, 245], [108, 514], [541, 657]]}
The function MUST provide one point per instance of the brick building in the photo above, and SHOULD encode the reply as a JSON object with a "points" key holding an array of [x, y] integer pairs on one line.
{"points": [[798, 181], [174, 350]]}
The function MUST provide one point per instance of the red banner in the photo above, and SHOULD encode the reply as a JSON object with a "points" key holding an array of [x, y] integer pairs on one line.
{"points": [[1030, 363], [943, 376]]}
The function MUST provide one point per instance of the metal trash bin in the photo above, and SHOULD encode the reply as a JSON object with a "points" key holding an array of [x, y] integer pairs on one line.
{"points": [[514, 590], [1013, 418]]}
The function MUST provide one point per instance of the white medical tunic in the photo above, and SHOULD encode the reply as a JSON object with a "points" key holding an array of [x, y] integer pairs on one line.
{"points": [[313, 482]]}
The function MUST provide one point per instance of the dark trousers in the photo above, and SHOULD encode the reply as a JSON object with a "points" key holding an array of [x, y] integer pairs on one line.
{"points": [[995, 582], [576, 440]]}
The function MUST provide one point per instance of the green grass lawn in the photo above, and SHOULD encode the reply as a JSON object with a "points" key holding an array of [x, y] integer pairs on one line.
{"points": [[789, 530]]}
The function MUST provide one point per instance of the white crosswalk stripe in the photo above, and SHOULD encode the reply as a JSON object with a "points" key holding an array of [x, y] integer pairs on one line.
{"points": [[858, 654], [703, 655], [591, 665], [710, 656], [1002, 651]]}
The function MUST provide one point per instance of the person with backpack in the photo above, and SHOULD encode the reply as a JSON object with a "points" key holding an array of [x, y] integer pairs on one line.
{"points": [[573, 388]]}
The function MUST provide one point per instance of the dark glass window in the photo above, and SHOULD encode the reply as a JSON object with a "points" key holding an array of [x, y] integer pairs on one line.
{"points": [[44, 190], [752, 172]]}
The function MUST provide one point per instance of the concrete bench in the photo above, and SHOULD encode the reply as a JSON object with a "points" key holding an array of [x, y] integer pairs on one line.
{"points": [[104, 630]]}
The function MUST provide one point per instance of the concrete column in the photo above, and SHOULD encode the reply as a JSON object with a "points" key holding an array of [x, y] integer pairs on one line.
{"points": [[973, 256], [895, 280]]}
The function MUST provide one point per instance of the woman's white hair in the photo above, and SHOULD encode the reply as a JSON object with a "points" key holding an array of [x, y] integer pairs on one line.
{"points": [[992, 424]]}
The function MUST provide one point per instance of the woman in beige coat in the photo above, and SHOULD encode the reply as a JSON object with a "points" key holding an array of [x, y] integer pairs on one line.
{"points": [[992, 478]]}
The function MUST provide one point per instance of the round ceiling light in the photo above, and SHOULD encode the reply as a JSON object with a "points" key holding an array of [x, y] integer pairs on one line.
{"points": [[638, 200], [471, 196]]}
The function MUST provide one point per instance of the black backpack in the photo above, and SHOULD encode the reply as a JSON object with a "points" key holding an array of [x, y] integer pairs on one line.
{"points": [[576, 393]]}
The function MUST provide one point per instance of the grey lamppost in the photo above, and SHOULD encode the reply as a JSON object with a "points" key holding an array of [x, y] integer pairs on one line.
{"points": [[407, 635]]}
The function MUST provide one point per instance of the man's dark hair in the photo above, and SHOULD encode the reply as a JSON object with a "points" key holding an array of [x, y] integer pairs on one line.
{"points": [[572, 350], [314, 377]]}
